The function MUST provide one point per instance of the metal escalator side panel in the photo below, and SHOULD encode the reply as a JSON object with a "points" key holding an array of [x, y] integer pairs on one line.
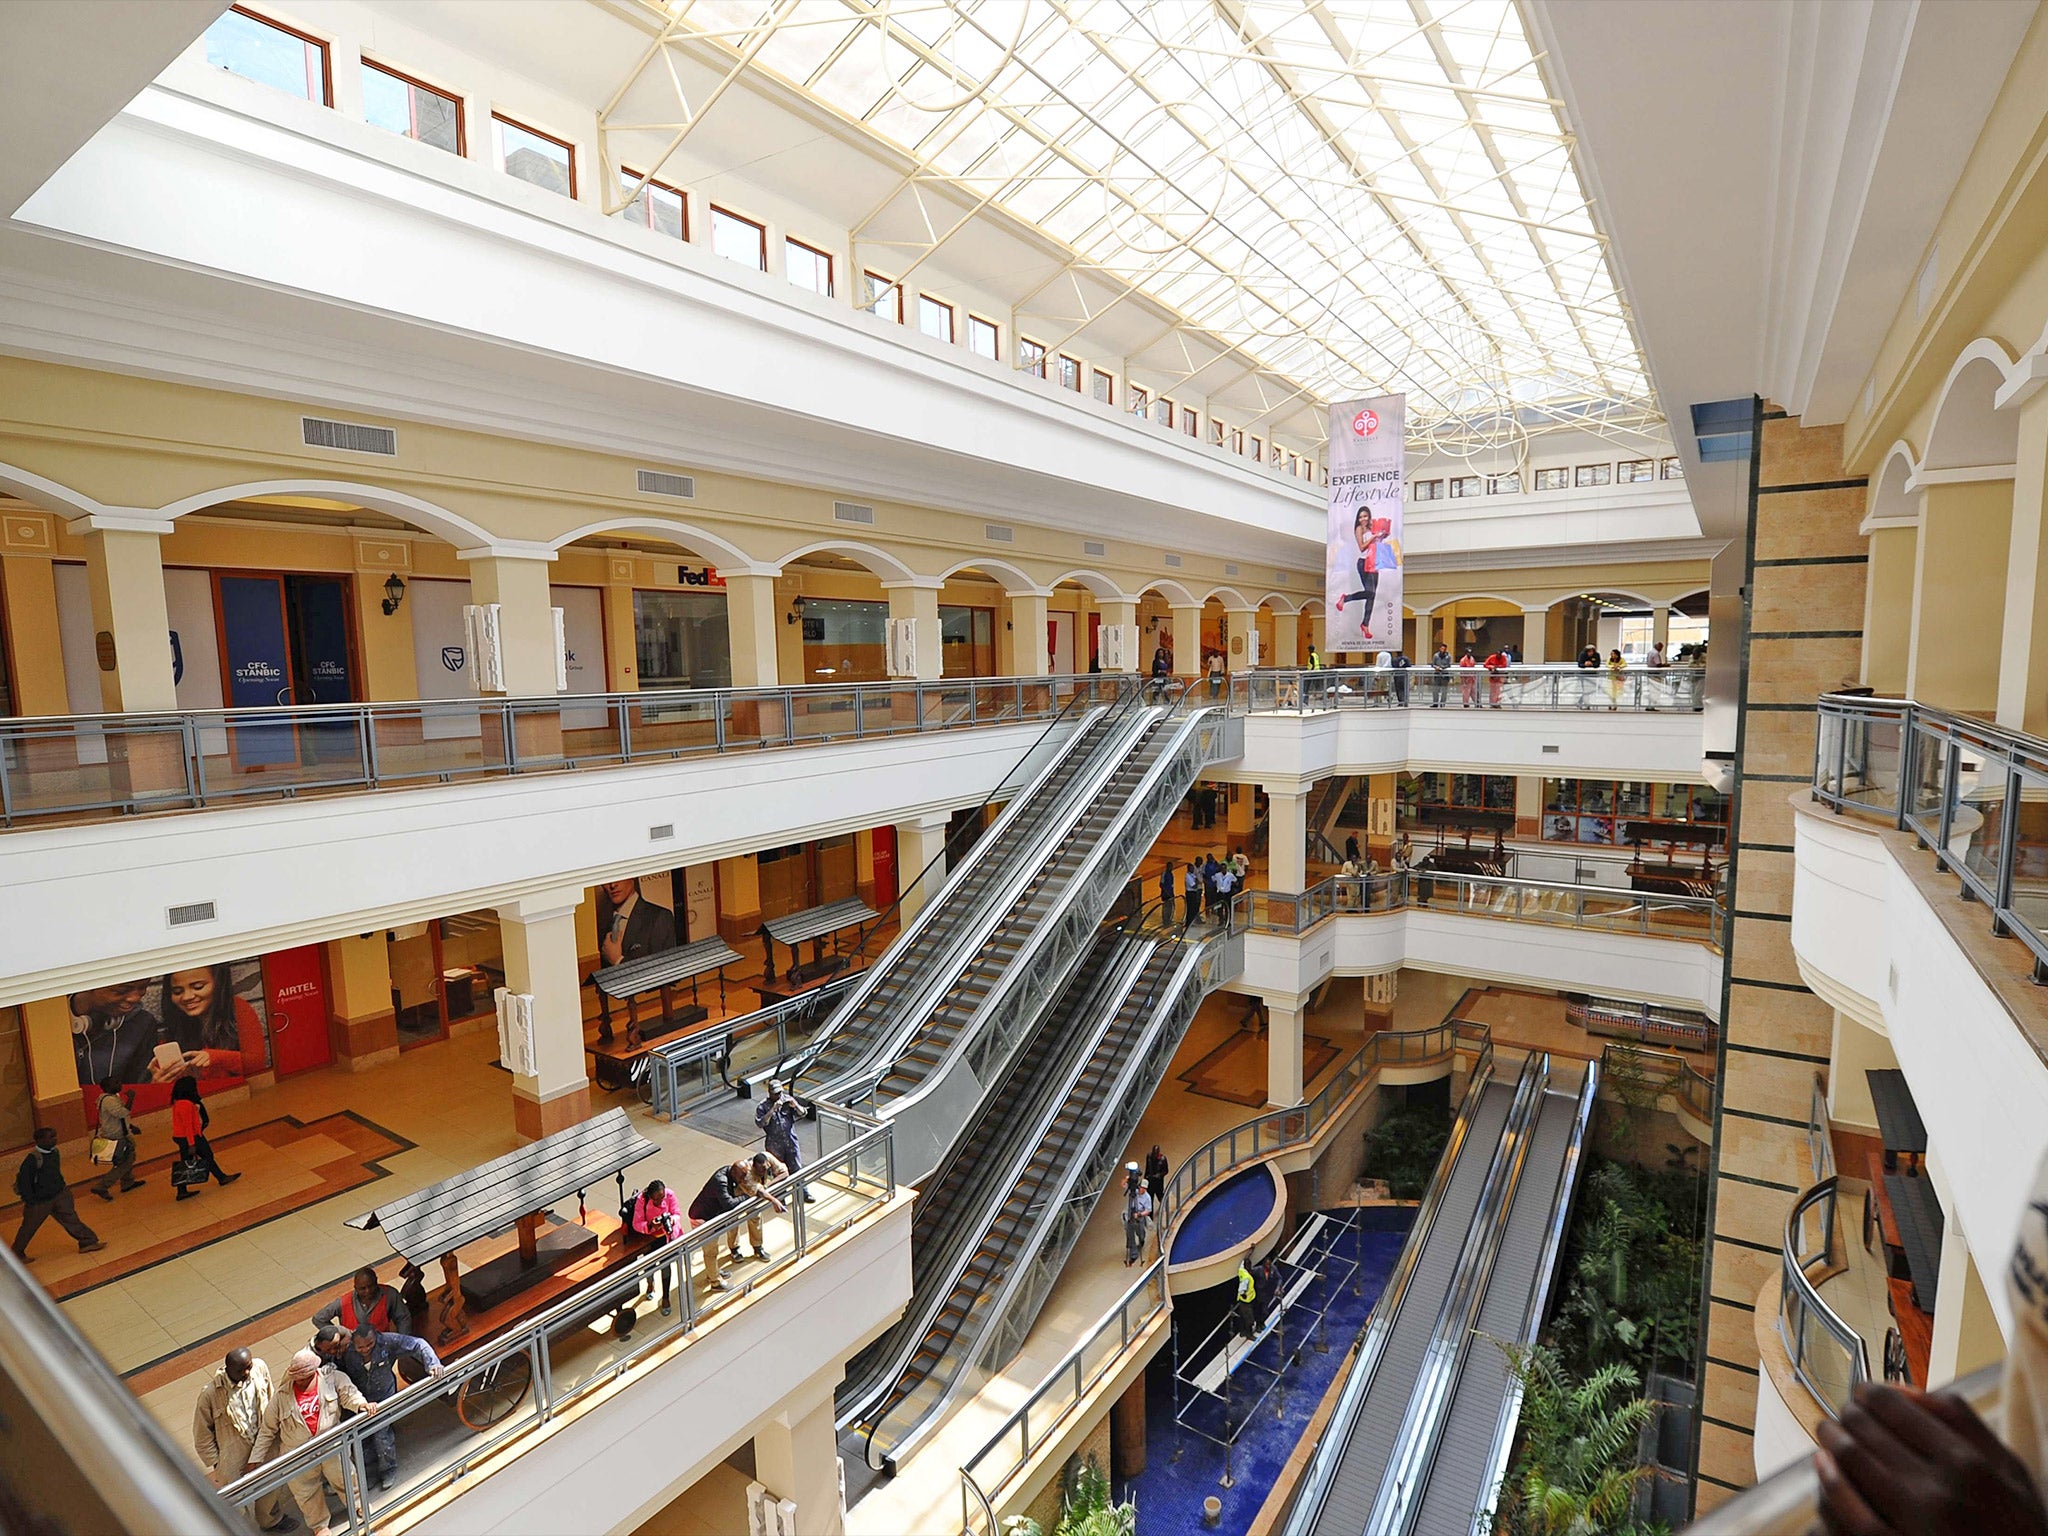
{"points": [[1057, 938], [1324, 1491], [1414, 1448]]}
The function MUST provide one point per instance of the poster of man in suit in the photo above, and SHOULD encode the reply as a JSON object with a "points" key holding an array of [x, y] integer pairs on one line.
{"points": [[630, 924]]}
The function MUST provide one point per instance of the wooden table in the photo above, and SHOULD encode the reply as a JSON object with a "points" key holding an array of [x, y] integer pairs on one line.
{"points": [[614, 1059]]}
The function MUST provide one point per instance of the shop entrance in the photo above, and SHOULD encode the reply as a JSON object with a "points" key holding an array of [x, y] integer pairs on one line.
{"points": [[287, 639], [804, 875], [444, 973]]}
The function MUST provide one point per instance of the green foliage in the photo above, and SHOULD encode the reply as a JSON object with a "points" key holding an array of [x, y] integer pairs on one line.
{"points": [[1404, 1148], [1085, 1509], [1631, 1272], [1576, 1473]]}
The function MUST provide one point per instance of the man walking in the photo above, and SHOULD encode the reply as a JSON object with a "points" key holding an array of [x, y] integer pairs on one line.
{"points": [[117, 1128], [225, 1423], [44, 1196]]}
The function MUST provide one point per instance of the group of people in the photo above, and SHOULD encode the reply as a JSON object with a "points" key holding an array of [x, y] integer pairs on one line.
{"points": [[1144, 1190], [363, 1353], [45, 1193], [1207, 885]]}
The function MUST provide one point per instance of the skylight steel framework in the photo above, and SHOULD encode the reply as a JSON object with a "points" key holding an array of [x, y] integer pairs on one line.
{"points": [[1327, 197]]}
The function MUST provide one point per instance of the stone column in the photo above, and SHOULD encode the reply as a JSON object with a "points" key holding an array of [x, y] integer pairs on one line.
{"points": [[1286, 838], [1418, 639], [1187, 641], [125, 573], [1660, 624], [1030, 654], [1124, 616], [28, 595], [539, 937], [796, 1457], [1318, 631], [751, 619], [1286, 641], [1534, 622], [1959, 594], [918, 842], [621, 626], [384, 640], [918, 600], [1283, 1051], [518, 585], [2023, 670], [360, 1021], [1239, 819]]}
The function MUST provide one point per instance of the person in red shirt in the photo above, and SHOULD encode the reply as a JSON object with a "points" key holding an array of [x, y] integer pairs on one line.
{"points": [[368, 1303], [189, 1120], [1495, 664]]}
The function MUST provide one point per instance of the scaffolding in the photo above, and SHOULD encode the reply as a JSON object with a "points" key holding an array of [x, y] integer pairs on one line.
{"points": [[1209, 1398]]}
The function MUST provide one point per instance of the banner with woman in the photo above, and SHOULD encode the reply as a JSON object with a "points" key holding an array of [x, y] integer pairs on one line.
{"points": [[200, 1021], [1362, 576]]}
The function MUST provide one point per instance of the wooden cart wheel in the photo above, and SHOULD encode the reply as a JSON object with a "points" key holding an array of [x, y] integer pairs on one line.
{"points": [[489, 1397]]}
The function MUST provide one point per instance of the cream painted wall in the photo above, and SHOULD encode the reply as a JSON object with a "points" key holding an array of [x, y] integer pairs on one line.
{"points": [[1888, 609], [1959, 595]]}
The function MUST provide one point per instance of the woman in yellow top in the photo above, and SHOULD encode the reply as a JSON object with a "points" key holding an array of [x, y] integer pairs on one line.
{"points": [[1616, 667]]}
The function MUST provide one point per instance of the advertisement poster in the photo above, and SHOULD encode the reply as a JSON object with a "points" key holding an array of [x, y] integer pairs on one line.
{"points": [[1362, 580], [204, 1021], [259, 667], [441, 655]]}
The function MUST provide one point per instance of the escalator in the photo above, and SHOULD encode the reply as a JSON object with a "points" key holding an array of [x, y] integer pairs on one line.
{"points": [[1008, 1205], [869, 1026], [1418, 1440]]}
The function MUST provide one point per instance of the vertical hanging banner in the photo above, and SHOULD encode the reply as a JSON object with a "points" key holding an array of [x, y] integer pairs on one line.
{"points": [[1362, 579]]}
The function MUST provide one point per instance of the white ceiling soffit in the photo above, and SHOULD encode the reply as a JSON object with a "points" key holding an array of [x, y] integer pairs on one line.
{"points": [[1770, 174], [50, 102], [1350, 196]]}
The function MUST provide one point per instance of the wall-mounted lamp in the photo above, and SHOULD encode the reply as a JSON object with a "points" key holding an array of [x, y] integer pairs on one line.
{"points": [[394, 593], [796, 611]]}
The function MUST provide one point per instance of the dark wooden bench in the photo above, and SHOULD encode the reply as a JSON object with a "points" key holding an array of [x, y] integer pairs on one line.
{"points": [[658, 973], [813, 925]]}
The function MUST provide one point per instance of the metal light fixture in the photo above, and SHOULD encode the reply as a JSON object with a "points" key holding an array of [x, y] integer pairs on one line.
{"points": [[394, 593]]}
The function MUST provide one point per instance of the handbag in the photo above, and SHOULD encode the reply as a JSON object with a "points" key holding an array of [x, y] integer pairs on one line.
{"points": [[188, 1171], [103, 1148]]}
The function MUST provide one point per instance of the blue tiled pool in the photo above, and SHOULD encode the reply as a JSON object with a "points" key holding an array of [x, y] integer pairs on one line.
{"points": [[1226, 1217]]}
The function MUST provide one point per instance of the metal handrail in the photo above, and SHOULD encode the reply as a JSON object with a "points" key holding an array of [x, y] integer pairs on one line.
{"points": [[1955, 782], [977, 1489], [1277, 1130], [1284, 912], [1679, 688], [863, 1164], [119, 764], [1800, 1303], [1662, 1070]]}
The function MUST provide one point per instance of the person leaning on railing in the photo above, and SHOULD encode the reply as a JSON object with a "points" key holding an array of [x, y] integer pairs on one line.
{"points": [[1903, 1462]]}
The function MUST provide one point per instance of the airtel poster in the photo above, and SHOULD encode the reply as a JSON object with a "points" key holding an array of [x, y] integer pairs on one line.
{"points": [[203, 1021], [1362, 581]]}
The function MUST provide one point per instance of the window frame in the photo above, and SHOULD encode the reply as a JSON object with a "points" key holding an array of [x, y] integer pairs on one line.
{"points": [[1590, 477], [1671, 467], [758, 226], [1625, 472], [831, 265], [1258, 453], [1138, 401], [1031, 357], [562, 144], [676, 192], [952, 315], [325, 48], [1190, 423], [995, 334], [1496, 486], [461, 107], [872, 279], [1105, 387], [1072, 372], [1464, 487], [1428, 490], [1560, 477]]}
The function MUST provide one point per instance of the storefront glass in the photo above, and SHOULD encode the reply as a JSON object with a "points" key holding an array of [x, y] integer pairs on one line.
{"points": [[681, 640], [1604, 810], [845, 641], [967, 641]]}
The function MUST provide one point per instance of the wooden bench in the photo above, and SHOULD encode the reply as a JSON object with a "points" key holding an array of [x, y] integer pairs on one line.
{"points": [[658, 973], [621, 1064]]}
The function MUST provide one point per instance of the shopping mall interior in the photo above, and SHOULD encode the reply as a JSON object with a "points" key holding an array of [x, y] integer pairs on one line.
{"points": [[1024, 767]]}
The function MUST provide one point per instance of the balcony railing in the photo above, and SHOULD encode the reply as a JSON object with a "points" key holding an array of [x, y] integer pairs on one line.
{"points": [[1052, 1404], [1675, 689], [1828, 1356], [1277, 1130], [1604, 908], [557, 1359], [1965, 789], [102, 765]]}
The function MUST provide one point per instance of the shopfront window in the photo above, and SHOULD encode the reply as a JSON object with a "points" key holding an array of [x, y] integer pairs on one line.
{"points": [[967, 641], [845, 641], [681, 640], [1627, 811], [1452, 791]]}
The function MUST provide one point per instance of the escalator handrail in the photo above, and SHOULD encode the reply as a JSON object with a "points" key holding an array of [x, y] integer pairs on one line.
{"points": [[1181, 729], [1494, 1469], [1314, 1489], [1399, 1496], [1186, 966]]}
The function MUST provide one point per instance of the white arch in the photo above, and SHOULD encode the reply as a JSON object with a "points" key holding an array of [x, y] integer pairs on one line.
{"points": [[41, 491], [1229, 597], [1634, 597], [879, 562], [1892, 501], [1176, 595], [721, 553], [1438, 604], [1283, 602], [451, 526], [1105, 590], [1015, 580], [1969, 430]]}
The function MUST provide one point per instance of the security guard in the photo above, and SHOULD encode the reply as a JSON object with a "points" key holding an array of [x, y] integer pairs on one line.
{"points": [[1247, 1301]]}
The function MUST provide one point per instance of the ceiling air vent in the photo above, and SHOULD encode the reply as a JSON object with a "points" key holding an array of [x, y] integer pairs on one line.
{"points": [[1093, 547], [852, 512], [1174, 561], [1548, 748], [659, 482], [1229, 569], [348, 436], [998, 533], [191, 912], [662, 833]]}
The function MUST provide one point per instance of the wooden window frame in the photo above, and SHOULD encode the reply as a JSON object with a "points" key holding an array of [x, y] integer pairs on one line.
{"points": [[952, 336], [461, 108], [677, 192], [1584, 476], [564, 144], [831, 263], [1635, 464], [758, 226], [1106, 384], [1190, 423], [870, 278], [1025, 347], [322, 44], [1073, 367], [995, 331]]}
